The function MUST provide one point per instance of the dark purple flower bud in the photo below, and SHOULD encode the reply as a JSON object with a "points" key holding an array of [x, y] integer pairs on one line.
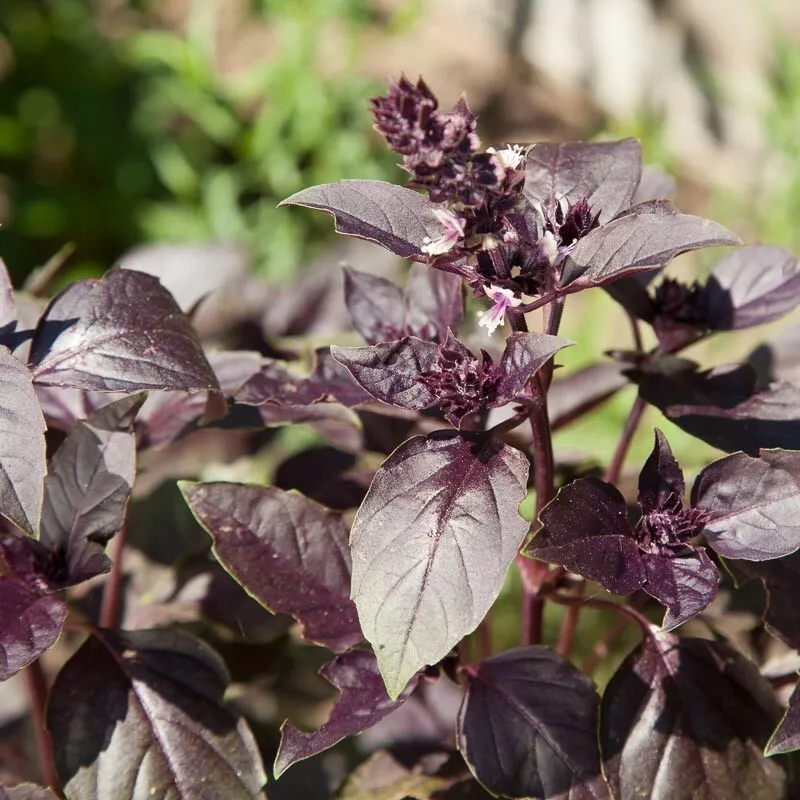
{"points": [[681, 303], [669, 531], [573, 222], [405, 115], [461, 382]]}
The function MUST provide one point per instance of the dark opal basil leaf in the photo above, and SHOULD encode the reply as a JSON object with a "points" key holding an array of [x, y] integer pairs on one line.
{"points": [[607, 173], [781, 577], [646, 236], [661, 477], [330, 379], [26, 791], [431, 545], [362, 703], [778, 360], [434, 302], [723, 408], [162, 728], [582, 390], [686, 718], [87, 488], [754, 504], [389, 371], [686, 585], [399, 219], [787, 735], [123, 332], [30, 623], [524, 355], [586, 529], [375, 304], [631, 293], [528, 727], [753, 285], [22, 450], [188, 272], [288, 552]]}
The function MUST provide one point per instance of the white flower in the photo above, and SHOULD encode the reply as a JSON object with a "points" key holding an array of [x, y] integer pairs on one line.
{"points": [[453, 231], [510, 157], [496, 315]]}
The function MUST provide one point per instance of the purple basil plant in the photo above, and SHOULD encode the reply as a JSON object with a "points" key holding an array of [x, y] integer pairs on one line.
{"points": [[377, 556]]}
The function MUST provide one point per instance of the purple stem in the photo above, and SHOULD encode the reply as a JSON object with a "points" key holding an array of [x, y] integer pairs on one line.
{"points": [[631, 424], [109, 610], [37, 690]]}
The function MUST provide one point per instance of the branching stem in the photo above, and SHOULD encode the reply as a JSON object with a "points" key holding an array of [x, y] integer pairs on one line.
{"points": [[631, 424]]}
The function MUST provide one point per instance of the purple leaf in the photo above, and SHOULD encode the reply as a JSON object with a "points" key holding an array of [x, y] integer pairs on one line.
{"points": [[389, 371], [528, 727], [30, 623], [22, 448], [399, 219], [524, 355], [431, 545], [87, 488], [723, 408], [288, 552], [583, 390], [754, 504], [329, 378], [646, 236], [123, 332], [188, 272], [26, 791], [751, 286], [778, 359], [686, 718], [787, 735], [661, 477], [162, 729], [607, 173], [685, 585], [781, 577], [362, 703], [586, 529], [376, 306], [434, 302]]}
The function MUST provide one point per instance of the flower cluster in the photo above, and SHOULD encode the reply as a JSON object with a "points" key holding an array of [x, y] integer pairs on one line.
{"points": [[681, 303], [461, 382], [439, 151], [668, 528]]}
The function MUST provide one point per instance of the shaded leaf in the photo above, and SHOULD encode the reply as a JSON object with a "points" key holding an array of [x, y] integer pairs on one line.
{"points": [[361, 704], [723, 407], [162, 729], [754, 504], [688, 718], [87, 489], [752, 285], [376, 306], [586, 529], [286, 551], [431, 545], [787, 735], [607, 173], [30, 623], [646, 236], [778, 360], [653, 185], [389, 371], [123, 332], [399, 219], [22, 449], [781, 577], [434, 302], [661, 478], [528, 727]]}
